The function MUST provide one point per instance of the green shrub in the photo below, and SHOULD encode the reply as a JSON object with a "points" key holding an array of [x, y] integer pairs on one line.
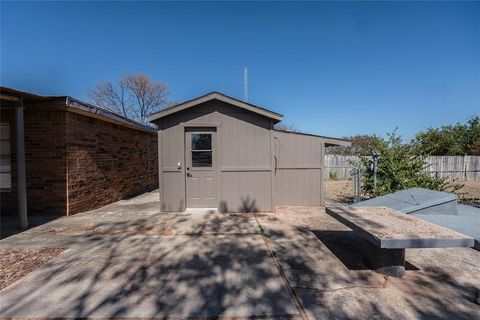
{"points": [[400, 166]]}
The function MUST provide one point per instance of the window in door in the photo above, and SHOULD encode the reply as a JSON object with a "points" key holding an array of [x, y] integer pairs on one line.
{"points": [[202, 150]]}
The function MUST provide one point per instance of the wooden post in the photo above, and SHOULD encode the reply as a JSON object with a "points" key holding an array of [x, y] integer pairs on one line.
{"points": [[21, 176]]}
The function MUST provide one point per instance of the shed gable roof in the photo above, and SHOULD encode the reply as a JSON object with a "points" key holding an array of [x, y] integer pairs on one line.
{"points": [[216, 96]]}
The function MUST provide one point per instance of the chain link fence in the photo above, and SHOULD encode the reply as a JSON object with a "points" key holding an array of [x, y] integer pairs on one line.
{"points": [[343, 184], [467, 180]]}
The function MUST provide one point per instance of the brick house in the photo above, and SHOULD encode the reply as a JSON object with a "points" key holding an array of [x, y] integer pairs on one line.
{"points": [[74, 156]]}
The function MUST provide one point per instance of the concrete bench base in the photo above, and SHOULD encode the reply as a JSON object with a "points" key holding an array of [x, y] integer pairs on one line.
{"points": [[390, 262]]}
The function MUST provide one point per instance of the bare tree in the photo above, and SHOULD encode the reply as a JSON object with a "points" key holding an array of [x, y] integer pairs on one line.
{"points": [[135, 96], [112, 96], [148, 95], [282, 126]]}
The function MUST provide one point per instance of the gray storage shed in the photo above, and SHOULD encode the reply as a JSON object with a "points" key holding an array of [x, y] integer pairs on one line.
{"points": [[222, 153]]}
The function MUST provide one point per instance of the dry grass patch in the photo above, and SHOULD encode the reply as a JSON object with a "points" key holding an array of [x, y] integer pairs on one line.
{"points": [[339, 190]]}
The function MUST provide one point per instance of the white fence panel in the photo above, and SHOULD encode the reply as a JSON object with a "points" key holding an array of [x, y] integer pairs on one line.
{"points": [[455, 167]]}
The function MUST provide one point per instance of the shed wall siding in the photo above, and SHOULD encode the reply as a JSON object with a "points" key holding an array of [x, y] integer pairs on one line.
{"points": [[298, 173], [260, 168], [244, 159], [246, 191]]}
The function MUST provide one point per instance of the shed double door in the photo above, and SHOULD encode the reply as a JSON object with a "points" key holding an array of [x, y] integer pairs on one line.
{"points": [[201, 180]]}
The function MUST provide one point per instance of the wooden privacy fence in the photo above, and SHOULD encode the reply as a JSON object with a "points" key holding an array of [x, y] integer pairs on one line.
{"points": [[455, 167], [339, 167]]}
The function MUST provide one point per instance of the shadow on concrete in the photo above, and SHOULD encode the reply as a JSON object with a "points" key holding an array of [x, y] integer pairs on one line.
{"points": [[9, 223], [217, 265], [133, 269], [346, 246], [322, 271]]}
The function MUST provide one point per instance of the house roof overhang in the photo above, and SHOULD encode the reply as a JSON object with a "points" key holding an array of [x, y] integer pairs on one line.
{"points": [[15, 98], [276, 117]]}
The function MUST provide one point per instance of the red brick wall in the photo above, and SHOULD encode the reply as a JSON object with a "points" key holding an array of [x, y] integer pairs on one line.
{"points": [[99, 161], [107, 162], [45, 163]]}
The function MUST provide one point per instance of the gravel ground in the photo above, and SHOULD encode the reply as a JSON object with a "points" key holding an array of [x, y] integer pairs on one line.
{"points": [[339, 190], [17, 263]]}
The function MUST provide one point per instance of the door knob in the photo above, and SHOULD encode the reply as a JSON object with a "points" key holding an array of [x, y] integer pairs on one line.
{"points": [[189, 174]]}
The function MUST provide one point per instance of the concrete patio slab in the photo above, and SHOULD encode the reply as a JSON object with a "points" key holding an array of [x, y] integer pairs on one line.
{"points": [[137, 216], [143, 263], [332, 282], [129, 260], [442, 292], [171, 276], [214, 223], [305, 259]]}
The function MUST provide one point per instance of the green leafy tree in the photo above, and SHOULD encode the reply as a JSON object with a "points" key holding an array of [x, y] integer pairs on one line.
{"points": [[400, 166], [451, 140], [362, 145]]}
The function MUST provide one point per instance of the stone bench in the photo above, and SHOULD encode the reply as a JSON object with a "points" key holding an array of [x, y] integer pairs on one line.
{"points": [[386, 233]]}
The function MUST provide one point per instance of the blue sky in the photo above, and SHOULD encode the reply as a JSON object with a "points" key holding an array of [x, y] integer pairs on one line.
{"points": [[332, 68]]}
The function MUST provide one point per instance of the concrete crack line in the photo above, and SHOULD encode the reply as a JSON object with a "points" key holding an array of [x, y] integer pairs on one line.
{"points": [[383, 286], [292, 292]]}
